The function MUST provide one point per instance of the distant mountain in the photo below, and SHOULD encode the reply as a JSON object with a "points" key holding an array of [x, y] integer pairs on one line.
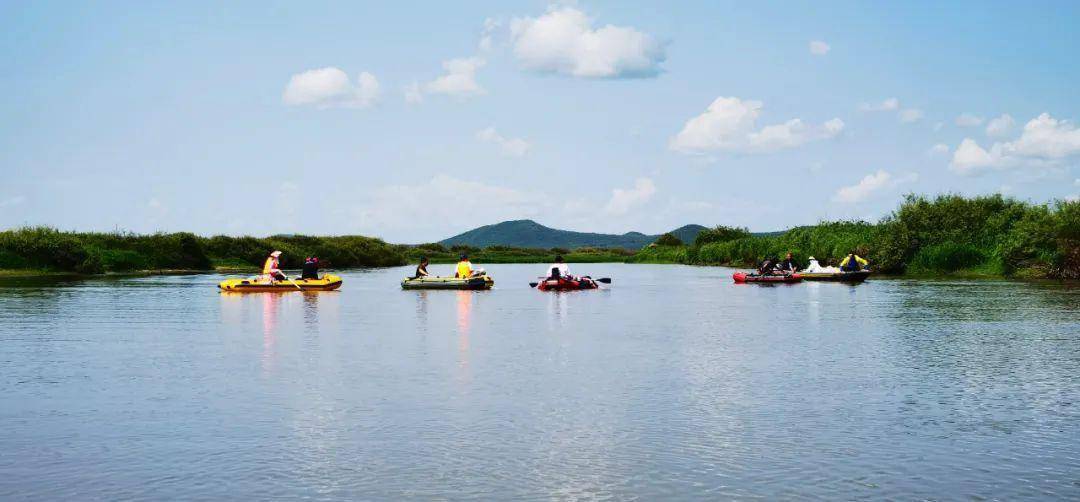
{"points": [[530, 234]]}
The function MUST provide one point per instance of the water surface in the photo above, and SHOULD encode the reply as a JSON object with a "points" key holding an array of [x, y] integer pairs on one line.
{"points": [[672, 383]]}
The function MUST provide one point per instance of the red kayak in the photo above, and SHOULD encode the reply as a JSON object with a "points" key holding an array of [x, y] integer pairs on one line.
{"points": [[567, 284], [741, 277]]}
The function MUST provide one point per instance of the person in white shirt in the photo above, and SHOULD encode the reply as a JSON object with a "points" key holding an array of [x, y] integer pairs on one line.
{"points": [[558, 269], [816, 268]]}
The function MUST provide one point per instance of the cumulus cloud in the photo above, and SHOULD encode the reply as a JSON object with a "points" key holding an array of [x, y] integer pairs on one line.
{"points": [[730, 124], [512, 147], [887, 105], [968, 120], [938, 149], [625, 199], [1000, 126], [819, 48], [871, 184], [487, 36], [1045, 141], [564, 41], [910, 115], [331, 88], [459, 80]]}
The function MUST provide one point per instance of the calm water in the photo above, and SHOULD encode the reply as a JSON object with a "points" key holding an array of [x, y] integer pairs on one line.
{"points": [[673, 383]]}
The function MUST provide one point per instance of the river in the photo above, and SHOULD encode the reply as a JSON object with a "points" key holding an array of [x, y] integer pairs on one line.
{"points": [[672, 383]]}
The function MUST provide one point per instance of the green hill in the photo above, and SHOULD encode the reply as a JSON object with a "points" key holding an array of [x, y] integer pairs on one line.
{"points": [[530, 234]]}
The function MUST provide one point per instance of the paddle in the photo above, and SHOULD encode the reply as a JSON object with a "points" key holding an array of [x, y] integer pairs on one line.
{"points": [[293, 283]]}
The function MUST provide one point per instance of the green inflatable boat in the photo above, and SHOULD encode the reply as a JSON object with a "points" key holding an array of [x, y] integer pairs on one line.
{"points": [[474, 283]]}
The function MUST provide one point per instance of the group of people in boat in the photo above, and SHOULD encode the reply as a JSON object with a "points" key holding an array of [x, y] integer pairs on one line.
{"points": [[774, 266], [272, 268], [463, 269], [560, 270]]}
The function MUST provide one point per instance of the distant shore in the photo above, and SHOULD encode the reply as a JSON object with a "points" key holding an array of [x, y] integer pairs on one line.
{"points": [[951, 235]]}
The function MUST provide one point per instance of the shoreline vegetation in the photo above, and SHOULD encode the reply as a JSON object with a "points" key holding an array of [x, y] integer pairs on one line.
{"points": [[989, 236]]}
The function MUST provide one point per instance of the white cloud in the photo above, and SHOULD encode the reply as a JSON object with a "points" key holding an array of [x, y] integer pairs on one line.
{"points": [[623, 200], [513, 147], [1048, 138], [938, 149], [331, 88], [459, 80], [871, 184], [910, 115], [1044, 142], [819, 48], [970, 158], [487, 36], [968, 120], [13, 201], [564, 41], [1000, 126], [887, 105], [730, 124]]}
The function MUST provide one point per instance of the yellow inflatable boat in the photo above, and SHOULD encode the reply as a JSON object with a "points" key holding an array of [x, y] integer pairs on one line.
{"points": [[327, 282]]}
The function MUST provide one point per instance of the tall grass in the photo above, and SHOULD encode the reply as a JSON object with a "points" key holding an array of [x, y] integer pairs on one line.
{"points": [[946, 234], [49, 249], [991, 235]]}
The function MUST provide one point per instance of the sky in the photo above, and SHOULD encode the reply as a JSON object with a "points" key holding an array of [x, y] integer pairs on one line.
{"points": [[416, 121]]}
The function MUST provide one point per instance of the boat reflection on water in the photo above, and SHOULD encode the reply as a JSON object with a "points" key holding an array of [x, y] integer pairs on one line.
{"points": [[270, 303], [558, 306], [464, 322]]}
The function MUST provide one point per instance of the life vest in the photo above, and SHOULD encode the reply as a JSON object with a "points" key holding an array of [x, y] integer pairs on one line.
{"points": [[464, 269], [270, 265], [852, 263]]}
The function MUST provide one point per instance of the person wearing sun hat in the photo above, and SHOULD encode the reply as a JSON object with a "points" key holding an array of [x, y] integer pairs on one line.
{"points": [[272, 267]]}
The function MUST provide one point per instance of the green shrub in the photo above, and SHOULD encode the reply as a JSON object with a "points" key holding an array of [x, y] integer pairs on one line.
{"points": [[668, 240], [720, 233], [45, 248], [947, 257]]}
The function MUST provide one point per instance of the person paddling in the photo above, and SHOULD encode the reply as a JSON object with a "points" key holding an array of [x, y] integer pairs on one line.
{"points": [[421, 269], [558, 270], [853, 263], [272, 268], [768, 266], [311, 268], [788, 266]]}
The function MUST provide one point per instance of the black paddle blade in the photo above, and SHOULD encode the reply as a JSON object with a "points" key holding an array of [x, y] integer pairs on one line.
{"points": [[605, 280], [533, 284]]}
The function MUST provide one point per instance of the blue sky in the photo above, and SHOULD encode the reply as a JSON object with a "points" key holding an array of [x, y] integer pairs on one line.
{"points": [[415, 122]]}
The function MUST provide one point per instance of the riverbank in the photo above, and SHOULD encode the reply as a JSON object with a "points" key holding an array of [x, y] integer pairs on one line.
{"points": [[41, 250], [989, 236]]}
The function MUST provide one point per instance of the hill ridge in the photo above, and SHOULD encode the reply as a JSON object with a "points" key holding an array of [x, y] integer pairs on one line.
{"points": [[531, 234]]}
